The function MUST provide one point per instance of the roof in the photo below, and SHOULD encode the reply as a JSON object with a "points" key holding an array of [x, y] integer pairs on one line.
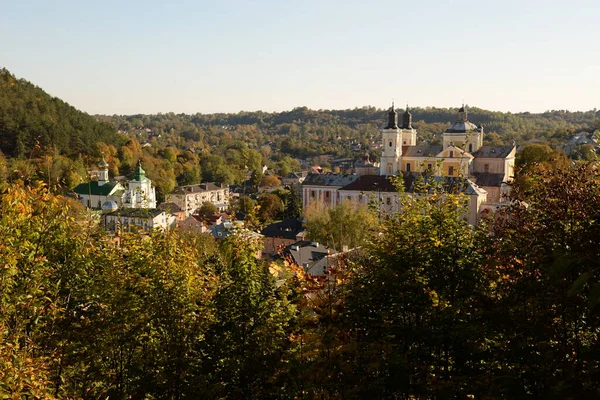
{"points": [[95, 190], [306, 252], [170, 207], [371, 183], [137, 213], [329, 179], [140, 174], [198, 188], [462, 127], [488, 179], [494, 151], [286, 229], [431, 150]]}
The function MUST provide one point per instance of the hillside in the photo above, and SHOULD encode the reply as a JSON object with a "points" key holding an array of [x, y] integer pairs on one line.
{"points": [[30, 117], [318, 131]]}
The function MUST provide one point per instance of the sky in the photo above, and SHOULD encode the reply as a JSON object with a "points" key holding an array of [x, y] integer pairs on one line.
{"points": [[128, 57]]}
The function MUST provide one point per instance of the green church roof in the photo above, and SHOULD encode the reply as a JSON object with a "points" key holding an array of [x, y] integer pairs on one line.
{"points": [[95, 190], [140, 174]]}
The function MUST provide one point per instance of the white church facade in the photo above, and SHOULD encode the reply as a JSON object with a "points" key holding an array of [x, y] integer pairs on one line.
{"points": [[138, 193]]}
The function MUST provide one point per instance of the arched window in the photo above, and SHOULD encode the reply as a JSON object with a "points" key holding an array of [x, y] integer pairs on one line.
{"points": [[390, 143]]}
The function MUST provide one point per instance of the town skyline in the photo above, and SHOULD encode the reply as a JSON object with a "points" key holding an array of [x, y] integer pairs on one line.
{"points": [[114, 58]]}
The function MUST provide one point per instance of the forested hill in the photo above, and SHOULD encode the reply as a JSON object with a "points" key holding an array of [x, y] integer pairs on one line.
{"points": [[327, 125], [30, 118]]}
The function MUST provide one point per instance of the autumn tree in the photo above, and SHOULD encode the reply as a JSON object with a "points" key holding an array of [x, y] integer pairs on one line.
{"points": [[413, 304], [544, 251], [250, 334], [345, 225]]}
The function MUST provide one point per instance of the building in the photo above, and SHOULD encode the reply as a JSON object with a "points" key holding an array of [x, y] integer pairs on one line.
{"points": [[136, 220], [190, 198], [280, 234], [136, 193], [462, 161], [311, 256], [323, 188], [140, 193]]}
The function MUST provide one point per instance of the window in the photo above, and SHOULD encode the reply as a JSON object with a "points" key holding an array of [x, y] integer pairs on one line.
{"points": [[390, 143], [470, 147], [326, 195], [450, 170], [451, 153], [312, 193], [486, 167], [404, 142], [389, 169], [429, 167], [388, 200], [407, 167]]}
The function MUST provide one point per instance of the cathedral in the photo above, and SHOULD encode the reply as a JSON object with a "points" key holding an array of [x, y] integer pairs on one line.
{"points": [[486, 170], [461, 154], [110, 195]]}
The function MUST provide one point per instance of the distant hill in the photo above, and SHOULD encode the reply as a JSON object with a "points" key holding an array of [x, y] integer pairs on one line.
{"points": [[32, 119]]}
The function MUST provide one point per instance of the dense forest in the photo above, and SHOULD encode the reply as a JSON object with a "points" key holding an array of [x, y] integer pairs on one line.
{"points": [[428, 307], [43, 138]]}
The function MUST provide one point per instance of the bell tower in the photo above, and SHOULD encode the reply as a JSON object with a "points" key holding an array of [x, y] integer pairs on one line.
{"points": [[391, 145], [102, 172], [409, 134]]}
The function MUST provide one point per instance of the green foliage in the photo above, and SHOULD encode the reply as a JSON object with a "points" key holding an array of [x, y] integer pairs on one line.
{"points": [[544, 322], [270, 207], [270, 181], [413, 300], [345, 225], [30, 120], [207, 208], [250, 335]]}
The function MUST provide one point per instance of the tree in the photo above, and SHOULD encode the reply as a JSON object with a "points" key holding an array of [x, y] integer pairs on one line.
{"points": [[207, 208], [293, 204], [412, 304], [250, 335], [270, 181], [585, 152], [535, 153], [344, 225], [270, 207], [544, 252]]}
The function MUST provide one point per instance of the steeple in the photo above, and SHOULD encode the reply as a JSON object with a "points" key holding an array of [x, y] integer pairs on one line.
{"points": [[407, 119], [103, 172], [392, 119], [462, 113], [140, 174]]}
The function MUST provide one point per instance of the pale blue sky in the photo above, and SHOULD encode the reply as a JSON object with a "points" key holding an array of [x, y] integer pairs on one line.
{"points": [[125, 57]]}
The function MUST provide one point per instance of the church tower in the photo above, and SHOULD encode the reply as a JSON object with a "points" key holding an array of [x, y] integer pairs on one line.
{"points": [[463, 134], [409, 135], [102, 172], [391, 145], [141, 193]]}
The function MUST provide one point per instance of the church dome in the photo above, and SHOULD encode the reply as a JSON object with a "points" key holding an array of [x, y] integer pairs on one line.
{"points": [[109, 206], [462, 127], [462, 124]]}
